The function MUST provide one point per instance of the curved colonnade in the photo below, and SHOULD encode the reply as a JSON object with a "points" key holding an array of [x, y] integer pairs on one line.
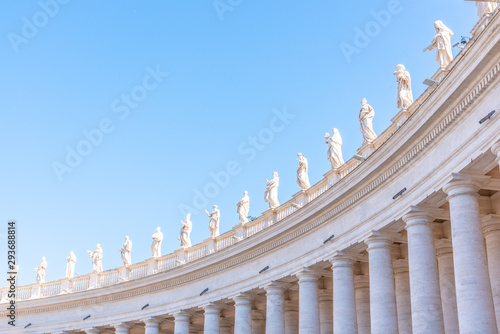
{"points": [[407, 241]]}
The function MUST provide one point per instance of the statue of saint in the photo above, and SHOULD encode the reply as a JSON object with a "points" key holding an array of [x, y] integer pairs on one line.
{"points": [[484, 7], [334, 153], [243, 207], [186, 229], [271, 194], [366, 115], [302, 175], [442, 41], [156, 245], [96, 259], [126, 251], [405, 96], [70, 266], [40, 271], [213, 226]]}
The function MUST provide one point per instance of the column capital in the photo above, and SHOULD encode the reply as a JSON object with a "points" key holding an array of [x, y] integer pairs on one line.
{"points": [[274, 288], [361, 281], [496, 149], [243, 299], [92, 330], [181, 316], [342, 259], [211, 308], [490, 224], [379, 239], [419, 215], [464, 184], [307, 275], [121, 325], [152, 322], [400, 266]]}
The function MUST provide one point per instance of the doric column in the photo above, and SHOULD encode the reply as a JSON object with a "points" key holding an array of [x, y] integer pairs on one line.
{"points": [[242, 314], [427, 316], [474, 299], [275, 309], [403, 300], [491, 230], [362, 294], [444, 254], [325, 311], [258, 322], [291, 318], [344, 303], [122, 328], [181, 322], [152, 326], [308, 302], [383, 314], [212, 318]]}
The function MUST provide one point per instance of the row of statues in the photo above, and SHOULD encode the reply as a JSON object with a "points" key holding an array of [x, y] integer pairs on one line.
{"points": [[441, 42]]}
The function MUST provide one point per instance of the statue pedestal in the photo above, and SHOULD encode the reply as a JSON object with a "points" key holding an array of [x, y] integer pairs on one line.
{"points": [[36, 291], [181, 255], [94, 280], [66, 285], [240, 231], [152, 265], [210, 245], [123, 273], [271, 216], [333, 176], [366, 150], [400, 117], [301, 198]]}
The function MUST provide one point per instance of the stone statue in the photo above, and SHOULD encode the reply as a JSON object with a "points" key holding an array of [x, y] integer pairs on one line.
{"points": [[185, 234], [334, 153], [96, 259], [213, 226], [70, 266], [442, 41], [243, 207], [484, 7], [40, 271], [302, 175], [405, 96], [271, 194], [126, 251], [156, 245], [366, 115]]}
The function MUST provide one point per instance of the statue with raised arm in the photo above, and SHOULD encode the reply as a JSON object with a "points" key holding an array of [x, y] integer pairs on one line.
{"points": [[96, 259], [156, 245], [334, 154], [185, 235], [302, 173], [366, 115], [484, 7], [126, 251], [243, 207], [213, 226], [40, 271], [405, 96], [442, 41], [70, 266], [271, 194]]}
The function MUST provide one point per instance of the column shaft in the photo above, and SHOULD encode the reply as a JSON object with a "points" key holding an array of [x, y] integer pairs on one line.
{"points": [[474, 298], [447, 285], [491, 229], [152, 326], [275, 309], [326, 311], [291, 318], [403, 300], [212, 319], [362, 294], [308, 302], [344, 304], [181, 322], [383, 312], [427, 316], [242, 314]]}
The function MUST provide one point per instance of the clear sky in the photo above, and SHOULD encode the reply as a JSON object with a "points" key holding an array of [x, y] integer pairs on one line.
{"points": [[177, 90]]}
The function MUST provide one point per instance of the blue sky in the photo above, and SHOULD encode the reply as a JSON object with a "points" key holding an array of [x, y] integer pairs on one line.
{"points": [[220, 78]]}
